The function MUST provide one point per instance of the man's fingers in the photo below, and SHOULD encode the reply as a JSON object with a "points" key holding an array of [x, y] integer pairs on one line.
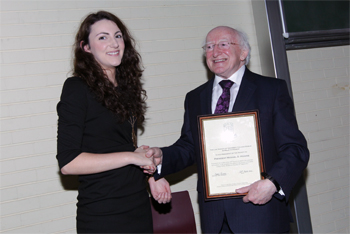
{"points": [[245, 199], [243, 189], [144, 147], [148, 169], [149, 153]]}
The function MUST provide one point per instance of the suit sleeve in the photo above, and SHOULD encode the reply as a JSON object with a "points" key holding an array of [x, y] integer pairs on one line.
{"points": [[291, 145], [181, 154]]}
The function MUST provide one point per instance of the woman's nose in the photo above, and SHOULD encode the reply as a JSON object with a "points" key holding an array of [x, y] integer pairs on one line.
{"points": [[114, 43]]}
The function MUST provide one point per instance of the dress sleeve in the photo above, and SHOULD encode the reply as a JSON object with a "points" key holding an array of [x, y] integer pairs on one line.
{"points": [[71, 112]]}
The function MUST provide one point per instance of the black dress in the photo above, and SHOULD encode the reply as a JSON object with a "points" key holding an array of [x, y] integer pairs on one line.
{"points": [[114, 201]]}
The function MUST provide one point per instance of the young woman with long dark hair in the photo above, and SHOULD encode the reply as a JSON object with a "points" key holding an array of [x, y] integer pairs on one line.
{"points": [[99, 111]]}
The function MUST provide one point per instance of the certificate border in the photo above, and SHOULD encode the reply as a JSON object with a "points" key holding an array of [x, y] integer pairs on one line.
{"points": [[253, 113]]}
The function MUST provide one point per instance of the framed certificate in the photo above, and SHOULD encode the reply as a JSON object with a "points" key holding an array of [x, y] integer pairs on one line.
{"points": [[231, 153]]}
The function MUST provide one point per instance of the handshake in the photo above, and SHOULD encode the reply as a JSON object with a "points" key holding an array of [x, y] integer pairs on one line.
{"points": [[148, 158]]}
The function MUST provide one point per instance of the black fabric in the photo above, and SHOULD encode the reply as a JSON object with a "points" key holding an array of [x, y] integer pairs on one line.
{"points": [[114, 201], [225, 227]]}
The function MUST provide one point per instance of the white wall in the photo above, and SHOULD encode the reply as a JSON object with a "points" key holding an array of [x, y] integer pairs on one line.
{"points": [[36, 39], [320, 82]]}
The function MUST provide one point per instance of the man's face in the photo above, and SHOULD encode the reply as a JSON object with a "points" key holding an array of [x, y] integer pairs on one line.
{"points": [[224, 62]]}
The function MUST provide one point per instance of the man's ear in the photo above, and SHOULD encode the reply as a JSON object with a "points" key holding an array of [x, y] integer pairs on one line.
{"points": [[244, 54], [86, 47]]}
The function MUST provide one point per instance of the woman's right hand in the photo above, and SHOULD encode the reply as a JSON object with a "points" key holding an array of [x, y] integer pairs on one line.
{"points": [[142, 161]]}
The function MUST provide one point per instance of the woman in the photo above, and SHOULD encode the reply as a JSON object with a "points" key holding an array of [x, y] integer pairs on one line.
{"points": [[99, 110]]}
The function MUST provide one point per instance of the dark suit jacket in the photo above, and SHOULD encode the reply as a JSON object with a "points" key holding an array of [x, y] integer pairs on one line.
{"points": [[284, 149]]}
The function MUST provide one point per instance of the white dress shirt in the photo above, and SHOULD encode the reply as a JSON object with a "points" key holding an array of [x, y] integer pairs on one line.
{"points": [[217, 90]]}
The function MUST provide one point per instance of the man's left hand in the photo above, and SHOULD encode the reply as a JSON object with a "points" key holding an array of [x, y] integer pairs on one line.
{"points": [[259, 193]]}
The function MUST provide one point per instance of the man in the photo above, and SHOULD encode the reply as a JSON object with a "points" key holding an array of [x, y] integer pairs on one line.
{"points": [[264, 209]]}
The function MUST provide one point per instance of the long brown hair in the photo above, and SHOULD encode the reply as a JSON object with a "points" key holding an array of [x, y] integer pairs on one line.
{"points": [[128, 98]]}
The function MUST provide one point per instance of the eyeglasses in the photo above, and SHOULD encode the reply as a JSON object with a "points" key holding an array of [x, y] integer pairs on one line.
{"points": [[224, 45]]}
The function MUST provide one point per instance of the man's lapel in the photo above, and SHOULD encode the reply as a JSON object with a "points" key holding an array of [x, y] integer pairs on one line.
{"points": [[205, 98], [245, 92]]}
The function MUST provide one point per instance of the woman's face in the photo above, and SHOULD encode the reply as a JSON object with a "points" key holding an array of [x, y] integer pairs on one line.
{"points": [[106, 44]]}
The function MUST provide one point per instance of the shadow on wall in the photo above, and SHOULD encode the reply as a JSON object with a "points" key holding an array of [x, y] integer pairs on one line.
{"points": [[69, 182], [298, 189], [181, 175], [209, 73]]}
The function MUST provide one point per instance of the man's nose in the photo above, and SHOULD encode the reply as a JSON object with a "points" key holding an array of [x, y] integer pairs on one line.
{"points": [[216, 51]]}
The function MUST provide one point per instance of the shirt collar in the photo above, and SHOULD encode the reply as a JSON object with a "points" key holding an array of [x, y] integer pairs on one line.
{"points": [[236, 77]]}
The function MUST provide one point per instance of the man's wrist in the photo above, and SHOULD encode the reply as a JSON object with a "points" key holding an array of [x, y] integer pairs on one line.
{"points": [[267, 176]]}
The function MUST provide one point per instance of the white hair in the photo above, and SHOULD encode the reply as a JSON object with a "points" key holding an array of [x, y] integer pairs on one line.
{"points": [[244, 43]]}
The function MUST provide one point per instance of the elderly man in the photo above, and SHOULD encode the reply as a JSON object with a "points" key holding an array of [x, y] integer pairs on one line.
{"points": [[265, 208]]}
